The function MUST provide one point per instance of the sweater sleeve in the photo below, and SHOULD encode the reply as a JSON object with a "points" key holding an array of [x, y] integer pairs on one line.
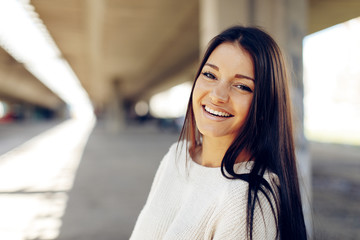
{"points": [[160, 171], [232, 221], [141, 222]]}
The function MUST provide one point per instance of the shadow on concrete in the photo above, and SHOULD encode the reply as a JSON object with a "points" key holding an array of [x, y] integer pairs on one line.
{"points": [[336, 191]]}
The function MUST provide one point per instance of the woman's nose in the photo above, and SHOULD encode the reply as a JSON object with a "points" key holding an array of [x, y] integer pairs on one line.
{"points": [[220, 93]]}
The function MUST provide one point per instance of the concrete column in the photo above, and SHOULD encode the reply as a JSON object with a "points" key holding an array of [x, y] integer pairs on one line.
{"points": [[95, 14], [216, 15], [107, 95], [285, 20], [114, 112]]}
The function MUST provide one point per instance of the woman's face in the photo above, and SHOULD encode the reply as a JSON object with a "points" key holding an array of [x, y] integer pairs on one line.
{"points": [[223, 92]]}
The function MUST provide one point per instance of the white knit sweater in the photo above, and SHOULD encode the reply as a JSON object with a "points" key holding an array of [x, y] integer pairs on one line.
{"points": [[197, 202]]}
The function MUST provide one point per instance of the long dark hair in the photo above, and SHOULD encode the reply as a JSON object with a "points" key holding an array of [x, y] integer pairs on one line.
{"points": [[267, 133]]}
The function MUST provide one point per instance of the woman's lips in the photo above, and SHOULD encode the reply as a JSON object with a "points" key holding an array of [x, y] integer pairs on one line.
{"points": [[216, 113]]}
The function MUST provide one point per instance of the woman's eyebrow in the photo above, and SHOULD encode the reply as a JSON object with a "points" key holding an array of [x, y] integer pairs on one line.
{"points": [[243, 76], [212, 66], [236, 75]]}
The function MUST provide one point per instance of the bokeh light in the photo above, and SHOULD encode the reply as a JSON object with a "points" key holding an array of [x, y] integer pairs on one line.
{"points": [[2, 109], [141, 108], [171, 103]]}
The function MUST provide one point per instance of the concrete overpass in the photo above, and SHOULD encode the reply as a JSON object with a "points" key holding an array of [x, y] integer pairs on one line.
{"points": [[17, 85], [133, 49]]}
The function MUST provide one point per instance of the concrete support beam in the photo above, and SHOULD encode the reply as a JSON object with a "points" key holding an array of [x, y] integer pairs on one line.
{"points": [[216, 15], [105, 95], [15, 88], [18, 85], [94, 18], [114, 111], [285, 20], [326, 13]]}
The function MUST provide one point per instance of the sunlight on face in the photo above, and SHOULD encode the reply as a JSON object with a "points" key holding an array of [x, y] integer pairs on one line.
{"points": [[35, 179]]}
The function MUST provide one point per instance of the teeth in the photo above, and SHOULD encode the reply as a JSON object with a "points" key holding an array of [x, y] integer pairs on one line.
{"points": [[221, 114]]}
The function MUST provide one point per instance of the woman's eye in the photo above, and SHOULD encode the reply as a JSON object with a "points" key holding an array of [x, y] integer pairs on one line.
{"points": [[244, 87], [209, 75]]}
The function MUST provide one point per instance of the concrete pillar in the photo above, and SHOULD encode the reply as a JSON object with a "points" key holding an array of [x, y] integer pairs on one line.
{"points": [[94, 18], [107, 96], [114, 112], [285, 20], [216, 15]]}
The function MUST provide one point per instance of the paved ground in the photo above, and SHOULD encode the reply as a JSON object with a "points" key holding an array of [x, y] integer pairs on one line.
{"points": [[115, 174], [14, 134], [336, 191], [112, 182]]}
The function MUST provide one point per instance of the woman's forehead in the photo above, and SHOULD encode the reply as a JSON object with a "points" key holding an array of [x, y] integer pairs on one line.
{"points": [[233, 58]]}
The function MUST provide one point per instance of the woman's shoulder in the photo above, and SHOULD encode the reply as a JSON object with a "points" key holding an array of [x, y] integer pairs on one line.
{"points": [[177, 146], [175, 156], [177, 150], [236, 189], [236, 186]]}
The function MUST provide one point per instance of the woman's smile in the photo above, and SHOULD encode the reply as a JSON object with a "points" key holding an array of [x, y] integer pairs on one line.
{"points": [[223, 92], [216, 113]]}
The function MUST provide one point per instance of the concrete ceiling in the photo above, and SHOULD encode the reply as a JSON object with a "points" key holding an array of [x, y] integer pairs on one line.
{"points": [[132, 48], [17, 85], [326, 13]]}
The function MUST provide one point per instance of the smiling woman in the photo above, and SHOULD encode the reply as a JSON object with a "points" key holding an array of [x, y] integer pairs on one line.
{"points": [[222, 96], [232, 175]]}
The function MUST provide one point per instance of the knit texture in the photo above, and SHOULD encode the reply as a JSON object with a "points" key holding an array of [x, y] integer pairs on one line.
{"points": [[190, 201]]}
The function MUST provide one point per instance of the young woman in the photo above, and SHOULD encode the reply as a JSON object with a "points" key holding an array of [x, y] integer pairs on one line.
{"points": [[233, 173]]}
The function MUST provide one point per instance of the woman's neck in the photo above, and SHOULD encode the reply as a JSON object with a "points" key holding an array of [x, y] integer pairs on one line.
{"points": [[212, 151]]}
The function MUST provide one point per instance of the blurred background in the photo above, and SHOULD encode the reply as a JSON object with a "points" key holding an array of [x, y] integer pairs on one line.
{"points": [[93, 93]]}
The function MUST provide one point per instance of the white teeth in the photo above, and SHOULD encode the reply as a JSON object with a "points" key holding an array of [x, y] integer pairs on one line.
{"points": [[221, 114]]}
